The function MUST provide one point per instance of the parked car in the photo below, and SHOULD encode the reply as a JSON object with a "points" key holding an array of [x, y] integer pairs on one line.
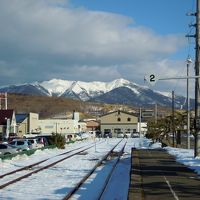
{"points": [[120, 134], [135, 135], [127, 135], [45, 139], [23, 144], [85, 135], [6, 149], [106, 135], [98, 134], [36, 142]]}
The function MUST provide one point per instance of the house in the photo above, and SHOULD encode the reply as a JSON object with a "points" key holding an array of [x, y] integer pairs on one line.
{"points": [[27, 123], [22, 123], [118, 122], [7, 123], [92, 125], [82, 126]]}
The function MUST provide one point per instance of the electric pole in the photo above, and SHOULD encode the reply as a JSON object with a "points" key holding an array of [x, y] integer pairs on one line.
{"points": [[173, 124], [156, 113], [197, 84], [197, 78]]}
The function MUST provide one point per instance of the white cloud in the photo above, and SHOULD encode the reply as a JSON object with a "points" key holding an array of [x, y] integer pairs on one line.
{"points": [[58, 40]]}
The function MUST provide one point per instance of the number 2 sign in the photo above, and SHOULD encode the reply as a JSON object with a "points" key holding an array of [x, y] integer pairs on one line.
{"points": [[151, 78]]}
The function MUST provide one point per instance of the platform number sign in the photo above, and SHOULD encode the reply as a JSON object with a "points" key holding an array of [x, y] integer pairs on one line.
{"points": [[151, 78]]}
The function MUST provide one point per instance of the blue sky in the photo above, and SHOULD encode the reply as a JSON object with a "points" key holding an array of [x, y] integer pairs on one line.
{"points": [[162, 16], [95, 40]]}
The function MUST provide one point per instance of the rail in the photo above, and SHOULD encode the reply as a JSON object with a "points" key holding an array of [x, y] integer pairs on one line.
{"points": [[78, 185]]}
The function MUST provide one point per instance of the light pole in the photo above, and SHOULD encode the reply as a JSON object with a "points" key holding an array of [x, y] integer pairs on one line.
{"points": [[189, 61], [156, 113], [173, 124], [140, 122], [7, 127]]}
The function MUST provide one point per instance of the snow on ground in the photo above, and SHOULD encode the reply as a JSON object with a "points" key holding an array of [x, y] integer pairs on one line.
{"points": [[186, 157], [55, 182]]}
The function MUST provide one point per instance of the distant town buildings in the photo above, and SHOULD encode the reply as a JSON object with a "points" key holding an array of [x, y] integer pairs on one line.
{"points": [[23, 124]]}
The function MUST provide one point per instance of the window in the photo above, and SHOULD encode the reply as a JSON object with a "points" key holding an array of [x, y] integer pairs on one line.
{"points": [[128, 119], [20, 142], [2, 146], [107, 130], [118, 119], [117, 130], [32, 141], [12, 143]]}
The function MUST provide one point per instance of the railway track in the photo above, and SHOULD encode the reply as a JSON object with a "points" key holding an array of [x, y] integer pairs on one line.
{"points": [[9, 178], [111, 153], [26, 169], [111, 172]]}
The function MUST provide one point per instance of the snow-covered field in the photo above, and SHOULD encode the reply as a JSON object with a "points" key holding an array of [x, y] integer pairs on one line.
{"points": [[55, 182]]}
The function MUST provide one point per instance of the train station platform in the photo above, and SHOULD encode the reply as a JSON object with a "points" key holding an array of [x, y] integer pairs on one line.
{"points": [[155, 175]]}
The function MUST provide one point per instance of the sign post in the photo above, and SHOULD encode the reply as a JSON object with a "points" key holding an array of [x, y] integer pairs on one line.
{"points": [[153, 78]]}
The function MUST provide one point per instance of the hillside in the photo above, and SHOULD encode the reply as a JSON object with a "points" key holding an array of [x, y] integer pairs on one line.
{"points": [[60, 106], [45, 106], [56, 106]]}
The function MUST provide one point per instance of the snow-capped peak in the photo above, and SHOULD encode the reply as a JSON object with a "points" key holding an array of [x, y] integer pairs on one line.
{"points": [[108, 92], [56, 86], [59, 87], [120, 82]]}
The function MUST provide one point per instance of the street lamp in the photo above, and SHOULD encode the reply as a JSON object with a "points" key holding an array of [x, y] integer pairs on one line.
{"points": [[140, 122], [7, 127], [189, 61]]}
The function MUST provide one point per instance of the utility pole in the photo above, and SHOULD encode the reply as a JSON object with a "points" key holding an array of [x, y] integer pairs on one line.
{"points": [[197, 84], [197, 78], [156, 113], [188, 105], [173, 126]]}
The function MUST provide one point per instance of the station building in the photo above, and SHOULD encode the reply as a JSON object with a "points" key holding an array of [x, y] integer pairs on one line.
{"points": [[118, 122]]}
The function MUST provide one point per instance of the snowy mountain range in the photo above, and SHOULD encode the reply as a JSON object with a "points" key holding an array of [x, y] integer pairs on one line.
{"points": [[119, 91]]}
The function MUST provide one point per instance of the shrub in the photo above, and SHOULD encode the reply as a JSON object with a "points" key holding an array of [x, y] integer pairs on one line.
{"points": [[58, 140]]}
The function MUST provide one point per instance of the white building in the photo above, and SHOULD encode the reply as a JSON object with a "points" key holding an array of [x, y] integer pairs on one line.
{"points": [[142, 127], [62, 126]]}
